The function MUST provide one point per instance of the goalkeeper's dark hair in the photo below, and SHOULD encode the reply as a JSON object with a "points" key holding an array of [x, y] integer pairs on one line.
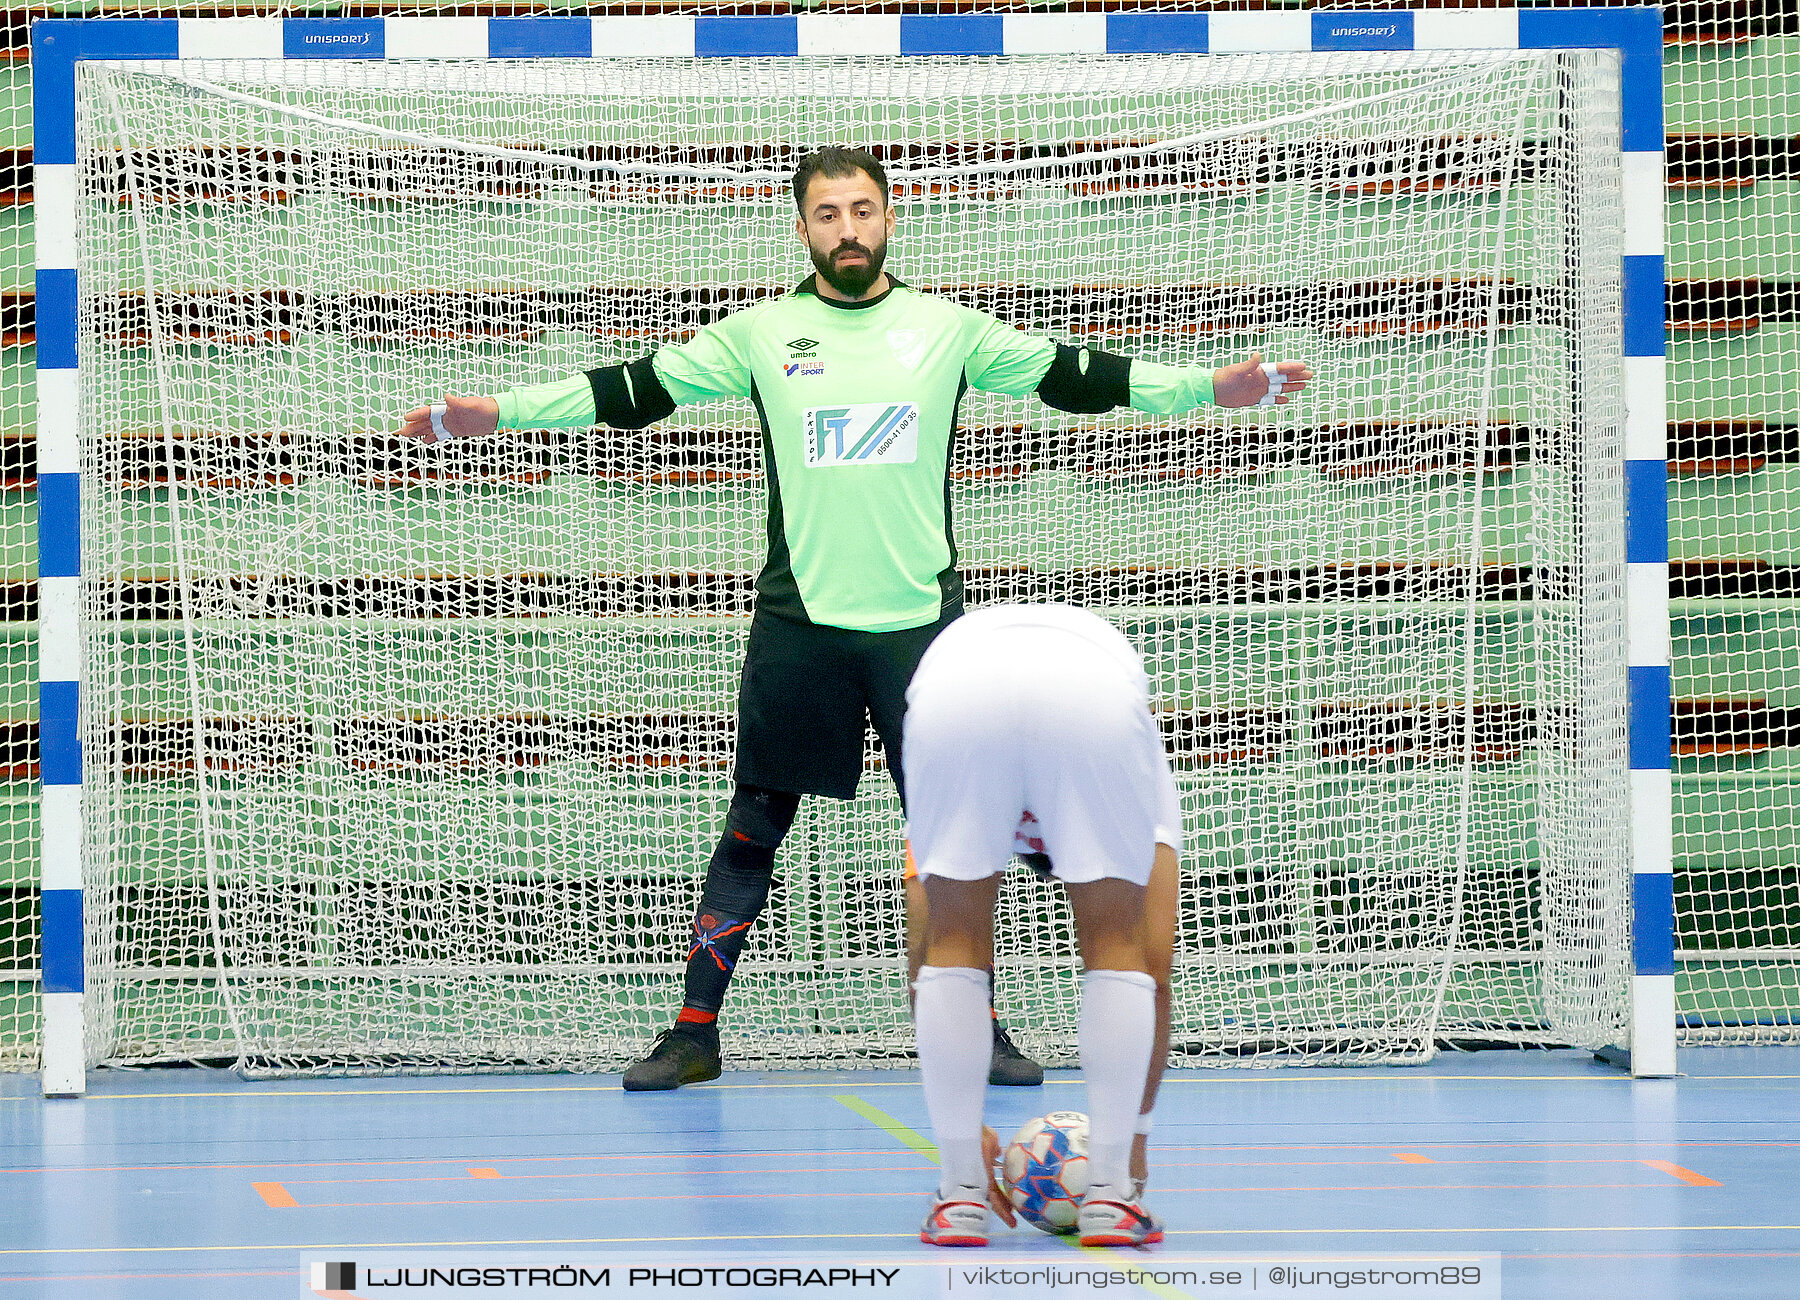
{"points": [[836, 162]]}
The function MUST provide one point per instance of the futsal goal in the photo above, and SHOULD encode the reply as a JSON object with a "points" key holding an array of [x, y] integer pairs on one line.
{"points": [[368, 755]]}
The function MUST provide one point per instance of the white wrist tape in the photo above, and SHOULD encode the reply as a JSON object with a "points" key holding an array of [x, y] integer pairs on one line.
{"points": [[1275, 384], [438, 432], [1143, 1123]]}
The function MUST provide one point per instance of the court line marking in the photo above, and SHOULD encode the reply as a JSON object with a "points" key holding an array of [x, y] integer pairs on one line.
{"points": [[1408, 1158], [907, 1137], [1663, 1166], [1279, 1189], [456, 1160], [1735, 1144], [1685, 1175], [669, 1173], [1296, 1075], [275, 1196], [1382, 1230], [134, 1277]]}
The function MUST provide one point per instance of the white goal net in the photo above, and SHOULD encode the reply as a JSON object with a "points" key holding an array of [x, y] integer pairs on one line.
{"points": [[404, 756]]}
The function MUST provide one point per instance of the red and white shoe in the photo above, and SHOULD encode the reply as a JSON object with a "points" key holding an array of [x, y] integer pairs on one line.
{"points": [[955, 1223], [1118, 1223]]}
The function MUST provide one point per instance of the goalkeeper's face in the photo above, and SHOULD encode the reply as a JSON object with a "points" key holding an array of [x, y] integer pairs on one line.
{"points": [[845, 226]]}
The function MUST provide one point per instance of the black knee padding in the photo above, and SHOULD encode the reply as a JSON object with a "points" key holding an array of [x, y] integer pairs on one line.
{"points": [[737, 879], [760, 817]]}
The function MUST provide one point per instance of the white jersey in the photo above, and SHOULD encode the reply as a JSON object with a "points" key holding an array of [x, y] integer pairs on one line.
{"points": [[1028, 728]]}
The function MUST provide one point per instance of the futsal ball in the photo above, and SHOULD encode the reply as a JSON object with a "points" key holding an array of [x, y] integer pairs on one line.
{"points": [[1045, 1168]]}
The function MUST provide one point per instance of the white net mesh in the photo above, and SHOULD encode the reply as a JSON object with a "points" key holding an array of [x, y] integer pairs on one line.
{"points": [[1734, 406], [406, 756], [19, 909]]}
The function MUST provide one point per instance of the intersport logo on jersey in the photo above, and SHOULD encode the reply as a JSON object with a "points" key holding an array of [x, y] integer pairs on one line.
{"points": [[870, 433]]}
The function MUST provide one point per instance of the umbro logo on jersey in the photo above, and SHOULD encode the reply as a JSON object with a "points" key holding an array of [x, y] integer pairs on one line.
{"points": [[802, 347]]}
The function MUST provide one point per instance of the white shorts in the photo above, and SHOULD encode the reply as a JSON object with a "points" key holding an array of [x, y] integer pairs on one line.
{"points": [[1022, 731]]}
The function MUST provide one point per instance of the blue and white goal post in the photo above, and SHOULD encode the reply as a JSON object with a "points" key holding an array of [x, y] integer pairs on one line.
{"points": [[59, 44]]}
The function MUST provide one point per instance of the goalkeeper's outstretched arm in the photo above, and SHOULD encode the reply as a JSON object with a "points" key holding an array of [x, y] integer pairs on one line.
{"points": [[1088, 381], [1079, 380], [1085, 381], [628, 396]]}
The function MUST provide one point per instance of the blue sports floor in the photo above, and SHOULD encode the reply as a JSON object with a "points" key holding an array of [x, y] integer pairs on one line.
{"points": [[197, 1184]]}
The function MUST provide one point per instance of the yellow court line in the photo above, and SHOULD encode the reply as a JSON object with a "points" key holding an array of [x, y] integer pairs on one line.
{"points": [[1384, 1230], [888, 1124], [1211, 1079]]}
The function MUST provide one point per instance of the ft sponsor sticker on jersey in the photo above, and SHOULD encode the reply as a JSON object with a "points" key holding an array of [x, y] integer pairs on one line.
{"points": [[870, 433]]}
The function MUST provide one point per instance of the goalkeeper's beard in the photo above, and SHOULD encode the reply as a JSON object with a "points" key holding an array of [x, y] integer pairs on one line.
{"points": [[852, 281]]}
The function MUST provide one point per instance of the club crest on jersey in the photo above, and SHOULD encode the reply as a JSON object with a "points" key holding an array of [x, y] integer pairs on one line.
{"points": [[908, 347], [803, 369], [870, 433]]}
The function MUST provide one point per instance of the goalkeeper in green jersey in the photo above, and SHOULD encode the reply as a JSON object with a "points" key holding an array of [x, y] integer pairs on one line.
{"points": [[856, 378]]}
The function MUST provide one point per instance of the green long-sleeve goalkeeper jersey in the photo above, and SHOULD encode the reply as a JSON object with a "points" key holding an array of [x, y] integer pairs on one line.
{"points": [[858, 405]]}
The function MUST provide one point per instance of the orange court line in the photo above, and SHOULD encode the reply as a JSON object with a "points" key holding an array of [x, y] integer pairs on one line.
{"points": [[886, 1151], [132, 1277], [1685, 1175], [603, 1200], [276, 1195], [1467, 1146], [1406, 1157], [464, 1160], [674, 1173], [515, 1243], [1280, 1188], [1376, 1164], [1686, 1254]]}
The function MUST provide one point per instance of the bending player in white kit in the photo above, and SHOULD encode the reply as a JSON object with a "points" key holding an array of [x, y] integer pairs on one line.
{"points": [[1040, 710]]}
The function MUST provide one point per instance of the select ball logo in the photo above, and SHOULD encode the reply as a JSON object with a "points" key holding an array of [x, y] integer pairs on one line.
{"points": [[871, 433]]}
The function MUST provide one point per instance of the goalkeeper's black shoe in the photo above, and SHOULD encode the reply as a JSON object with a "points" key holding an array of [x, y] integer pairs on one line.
{"points": [[683, 1053], [1011, 1068]]}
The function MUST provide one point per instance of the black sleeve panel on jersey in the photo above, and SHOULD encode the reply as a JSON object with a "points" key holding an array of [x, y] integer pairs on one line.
{"points": [[629, 396], [1085, 382]]}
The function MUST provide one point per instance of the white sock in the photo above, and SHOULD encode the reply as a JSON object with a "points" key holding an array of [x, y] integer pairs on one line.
{"points": [[956, 1043], [1118, 1030]]}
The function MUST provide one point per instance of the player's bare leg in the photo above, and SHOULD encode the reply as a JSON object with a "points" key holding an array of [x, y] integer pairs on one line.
{"points": [[1008, 1067], [1118, 1033], [1160, 901]]}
